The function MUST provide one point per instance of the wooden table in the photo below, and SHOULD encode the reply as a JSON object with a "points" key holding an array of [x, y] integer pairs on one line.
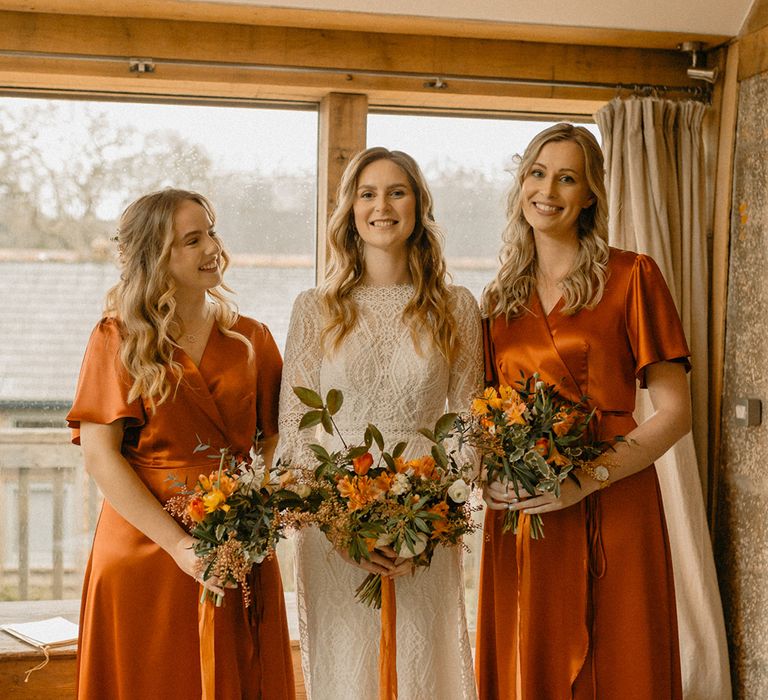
{"points": [[57, 680], [54, 682]]}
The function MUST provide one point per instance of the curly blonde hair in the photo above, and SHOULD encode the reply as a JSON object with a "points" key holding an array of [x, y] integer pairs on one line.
{"points": [[514, 284], [143, 300], [429, 307]]}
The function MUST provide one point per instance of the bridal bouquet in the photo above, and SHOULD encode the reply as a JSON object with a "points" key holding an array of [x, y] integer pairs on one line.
{"points": [[531, 438], [233, 514], [361, 501]]}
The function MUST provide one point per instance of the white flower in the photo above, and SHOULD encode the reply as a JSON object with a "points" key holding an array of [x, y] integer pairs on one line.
{"points": [[458, 491], [418, 547], [384, 540], [400, 485], [540, 386], [301, 490]]}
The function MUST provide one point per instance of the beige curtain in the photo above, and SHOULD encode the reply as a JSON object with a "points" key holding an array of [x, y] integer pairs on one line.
{"points": [[656, 184]]}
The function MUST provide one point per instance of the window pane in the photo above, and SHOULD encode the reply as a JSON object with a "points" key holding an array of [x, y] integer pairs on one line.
{"points": [[67, 169]]}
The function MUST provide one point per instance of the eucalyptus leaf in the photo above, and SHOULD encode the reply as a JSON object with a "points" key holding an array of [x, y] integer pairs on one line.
{"points": [[376, 436], [310, 419], [308, 397], [445, 425], [333, 401], [399, 449], [427, 433], [327, 422]]}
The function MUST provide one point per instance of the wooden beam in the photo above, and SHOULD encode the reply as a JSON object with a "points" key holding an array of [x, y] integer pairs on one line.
{"points": [[753, 53], [342, 133], [727, 99], [756, 19], [389, 58], [238, 13]]}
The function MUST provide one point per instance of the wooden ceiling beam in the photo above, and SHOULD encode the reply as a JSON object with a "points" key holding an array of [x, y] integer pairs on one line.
{"points": [[404, 60], [240, 13]]}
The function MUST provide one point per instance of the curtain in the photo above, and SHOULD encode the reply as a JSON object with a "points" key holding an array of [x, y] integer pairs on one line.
{"points": [[656, 205]]}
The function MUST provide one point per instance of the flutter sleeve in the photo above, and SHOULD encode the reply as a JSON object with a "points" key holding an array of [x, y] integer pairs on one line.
{"points": [[653, 324], [303, 356], [269, 371], [103, 385]]}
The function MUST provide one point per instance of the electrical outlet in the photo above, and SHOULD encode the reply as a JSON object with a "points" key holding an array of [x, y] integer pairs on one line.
{"points": [[748, 412]]}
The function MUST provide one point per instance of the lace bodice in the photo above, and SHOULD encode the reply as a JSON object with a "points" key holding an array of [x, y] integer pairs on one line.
{"points": [[384, 380]]}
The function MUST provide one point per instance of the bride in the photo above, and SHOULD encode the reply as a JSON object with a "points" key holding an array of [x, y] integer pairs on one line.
{"points": [[402, 345]]}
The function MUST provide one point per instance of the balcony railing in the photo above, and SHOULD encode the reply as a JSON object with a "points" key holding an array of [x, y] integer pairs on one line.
{"points": [[49, 510]]}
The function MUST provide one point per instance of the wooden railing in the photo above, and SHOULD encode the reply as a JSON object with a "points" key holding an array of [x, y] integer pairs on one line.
{"points": [[49, 509]]}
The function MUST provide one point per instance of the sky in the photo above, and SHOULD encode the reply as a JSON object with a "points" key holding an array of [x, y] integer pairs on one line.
{"points": [[245, 138]]}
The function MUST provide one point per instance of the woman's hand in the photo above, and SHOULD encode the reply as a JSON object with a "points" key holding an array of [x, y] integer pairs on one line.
{"points": [[191, 564], [499, 495], [384, 561]]}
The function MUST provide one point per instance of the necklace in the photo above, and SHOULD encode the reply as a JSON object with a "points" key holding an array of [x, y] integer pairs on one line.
{"points": [[193, 336]]}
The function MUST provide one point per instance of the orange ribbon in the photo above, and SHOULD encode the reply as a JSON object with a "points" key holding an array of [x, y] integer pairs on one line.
{"points": [[205, 622], [522, 544], [388, 641]]}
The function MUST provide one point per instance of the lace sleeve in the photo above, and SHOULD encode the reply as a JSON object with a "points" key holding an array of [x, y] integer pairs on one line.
{"points": [[466, 378], [301, 368]]}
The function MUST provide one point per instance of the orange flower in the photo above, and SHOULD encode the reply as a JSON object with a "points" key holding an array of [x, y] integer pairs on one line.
{"points": [[565, 421], [196, 509], [383, 482], [401, 466], [557, 458], [492, 398], [227, 485], [440, 524], [514, 412], [424, 467], [542, 446], [479, 407], [362, 463], [359, 491]]}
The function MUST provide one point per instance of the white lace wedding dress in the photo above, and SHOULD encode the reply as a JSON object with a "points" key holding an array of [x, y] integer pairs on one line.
{"points": [[385, 381]]}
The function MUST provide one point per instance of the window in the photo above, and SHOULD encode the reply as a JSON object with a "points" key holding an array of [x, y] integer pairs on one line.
{"points": [[67, 169]]}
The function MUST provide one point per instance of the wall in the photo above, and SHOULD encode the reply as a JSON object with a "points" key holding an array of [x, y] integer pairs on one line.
{"points": [[742, 532]]}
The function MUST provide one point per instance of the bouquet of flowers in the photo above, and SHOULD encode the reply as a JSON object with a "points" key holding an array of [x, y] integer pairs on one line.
{"points": [[233, 514], [532, 439], [362, 502]]}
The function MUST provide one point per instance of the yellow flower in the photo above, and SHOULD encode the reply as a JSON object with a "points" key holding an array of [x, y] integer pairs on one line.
{"points": [[215, 500], [479, 407], [492, 398]]}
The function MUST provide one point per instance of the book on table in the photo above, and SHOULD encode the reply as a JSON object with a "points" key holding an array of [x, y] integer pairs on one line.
{"points": [[43, 634]]}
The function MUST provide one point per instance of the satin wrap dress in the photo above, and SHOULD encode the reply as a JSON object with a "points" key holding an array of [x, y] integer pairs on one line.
{"points": [[139, 619], [588, 611]]}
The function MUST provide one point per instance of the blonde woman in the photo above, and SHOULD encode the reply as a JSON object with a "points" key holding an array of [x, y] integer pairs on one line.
{"points": [[170, 361], [589, 611], [402, 345]]}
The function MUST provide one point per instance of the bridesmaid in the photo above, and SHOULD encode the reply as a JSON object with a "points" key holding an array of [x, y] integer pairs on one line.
{"points": [[171, 360], [402, 344], [589, 611]]}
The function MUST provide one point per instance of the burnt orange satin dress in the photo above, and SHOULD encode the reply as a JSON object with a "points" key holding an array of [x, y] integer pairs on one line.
{"points": [[588, 612], [138, 620]]}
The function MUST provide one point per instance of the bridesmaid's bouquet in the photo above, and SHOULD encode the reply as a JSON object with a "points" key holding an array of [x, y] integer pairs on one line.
{"points": [[531, 438], [361, 501], [234, 515]]}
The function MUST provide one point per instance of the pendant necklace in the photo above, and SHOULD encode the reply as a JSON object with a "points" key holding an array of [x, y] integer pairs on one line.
{"points": [[192, 337]]}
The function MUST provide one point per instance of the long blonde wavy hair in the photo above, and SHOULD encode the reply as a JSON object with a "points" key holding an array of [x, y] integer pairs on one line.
{"points": [[510, 292], [429, 307], [143, 300]]}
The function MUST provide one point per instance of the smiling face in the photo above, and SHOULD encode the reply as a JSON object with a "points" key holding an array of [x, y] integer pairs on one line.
{"points": [[385, 206], [555, 190], [195, 262]]}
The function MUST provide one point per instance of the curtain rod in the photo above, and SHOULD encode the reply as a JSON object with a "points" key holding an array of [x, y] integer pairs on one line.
{"points": [[431, 81]]}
